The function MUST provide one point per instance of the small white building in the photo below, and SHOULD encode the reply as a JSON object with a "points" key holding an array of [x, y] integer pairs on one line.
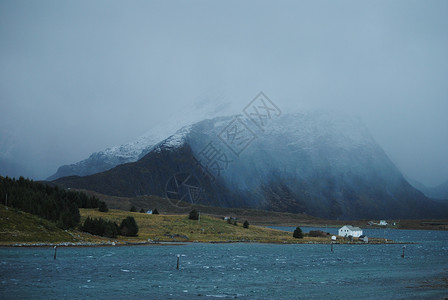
{"points": [[383, 223], [364, 238], [149, 212], [348, 230]]}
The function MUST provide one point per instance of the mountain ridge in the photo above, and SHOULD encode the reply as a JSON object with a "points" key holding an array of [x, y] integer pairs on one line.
{"points": [[107, 159], [317, 163], [439, 192], [209, 105]]}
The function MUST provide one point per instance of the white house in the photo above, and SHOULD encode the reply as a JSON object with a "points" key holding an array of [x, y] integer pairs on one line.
{"points": [[347, 230], [383, 223]]}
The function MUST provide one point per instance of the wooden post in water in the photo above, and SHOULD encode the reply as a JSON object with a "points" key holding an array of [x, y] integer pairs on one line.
{"points": [[404, 247], [178, 257], [55, 248], [331, 246]]}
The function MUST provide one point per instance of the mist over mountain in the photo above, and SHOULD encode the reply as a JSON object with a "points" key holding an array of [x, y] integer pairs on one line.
{"points": [[130, 152], [107, 159], [12, 168], [439, 192], [319, 163]]}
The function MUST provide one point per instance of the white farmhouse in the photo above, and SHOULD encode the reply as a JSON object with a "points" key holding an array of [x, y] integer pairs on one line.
{"points": [[348, 230]]}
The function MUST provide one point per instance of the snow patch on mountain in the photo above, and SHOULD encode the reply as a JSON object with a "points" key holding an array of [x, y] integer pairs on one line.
{"points": [[206, 106], [175, 141]]}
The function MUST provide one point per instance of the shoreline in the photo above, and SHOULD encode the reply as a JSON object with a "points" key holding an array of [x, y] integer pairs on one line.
{"points": [[24, 230], [178, 243]]}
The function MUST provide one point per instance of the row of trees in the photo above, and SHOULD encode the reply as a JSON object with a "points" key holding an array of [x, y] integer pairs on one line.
{"points": [[61, 206], [99, 226], [298, 234], [49, 202]]}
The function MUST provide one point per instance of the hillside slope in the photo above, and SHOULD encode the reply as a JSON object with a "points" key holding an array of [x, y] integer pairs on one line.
{"points": [[439, 192], [20, 227]]}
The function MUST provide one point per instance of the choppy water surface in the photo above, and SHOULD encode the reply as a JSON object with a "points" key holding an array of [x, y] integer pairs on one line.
{"points": [[244, 271]]}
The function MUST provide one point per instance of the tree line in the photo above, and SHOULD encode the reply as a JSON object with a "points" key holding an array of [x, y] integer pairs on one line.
{"points": [[48, 202], [99, 226]]}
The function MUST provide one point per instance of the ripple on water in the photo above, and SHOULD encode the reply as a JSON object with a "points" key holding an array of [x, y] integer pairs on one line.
{"points": [[226, 271]]}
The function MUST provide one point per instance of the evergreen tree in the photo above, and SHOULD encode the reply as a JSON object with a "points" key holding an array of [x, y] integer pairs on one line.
{"points": [[133, 209], [142, 210], [194, 215], [128, 227], [102, 206], [111, 230], [155, 212], [246, 224], [100, 227], [298, 233], [88, 225]]}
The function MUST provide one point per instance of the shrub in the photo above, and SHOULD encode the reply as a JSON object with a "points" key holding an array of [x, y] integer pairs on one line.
{"points": [[102, 206], [128, 227], [155, 212], [133, 209], [298, 233], [194, 215], [142, 210], [317, 233], [246, 224]]}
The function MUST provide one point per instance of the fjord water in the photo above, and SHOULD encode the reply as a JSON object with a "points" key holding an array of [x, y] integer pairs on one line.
{"points": [[243, 271]]}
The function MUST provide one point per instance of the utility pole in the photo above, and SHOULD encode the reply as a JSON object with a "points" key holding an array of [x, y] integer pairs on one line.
{"points": [[6, 205]]}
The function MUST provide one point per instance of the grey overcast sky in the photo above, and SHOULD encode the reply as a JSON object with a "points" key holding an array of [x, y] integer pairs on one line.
{"points": [[80, 76]]}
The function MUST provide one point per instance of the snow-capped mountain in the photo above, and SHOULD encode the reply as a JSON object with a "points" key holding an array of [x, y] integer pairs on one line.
{"points": [[320, 163], [104, 160], [107, 159]]}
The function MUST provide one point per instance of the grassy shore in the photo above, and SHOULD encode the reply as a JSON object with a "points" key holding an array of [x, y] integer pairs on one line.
{"points": [[209, 229], [19, 228], [169, 228]]}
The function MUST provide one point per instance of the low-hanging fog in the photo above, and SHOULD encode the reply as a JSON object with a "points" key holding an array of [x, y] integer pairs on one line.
{"points": [[80, 76]]}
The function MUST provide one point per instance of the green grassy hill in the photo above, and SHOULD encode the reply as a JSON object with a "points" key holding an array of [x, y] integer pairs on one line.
{"points": [[164, 206], [179, 228], [20, 227]]}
